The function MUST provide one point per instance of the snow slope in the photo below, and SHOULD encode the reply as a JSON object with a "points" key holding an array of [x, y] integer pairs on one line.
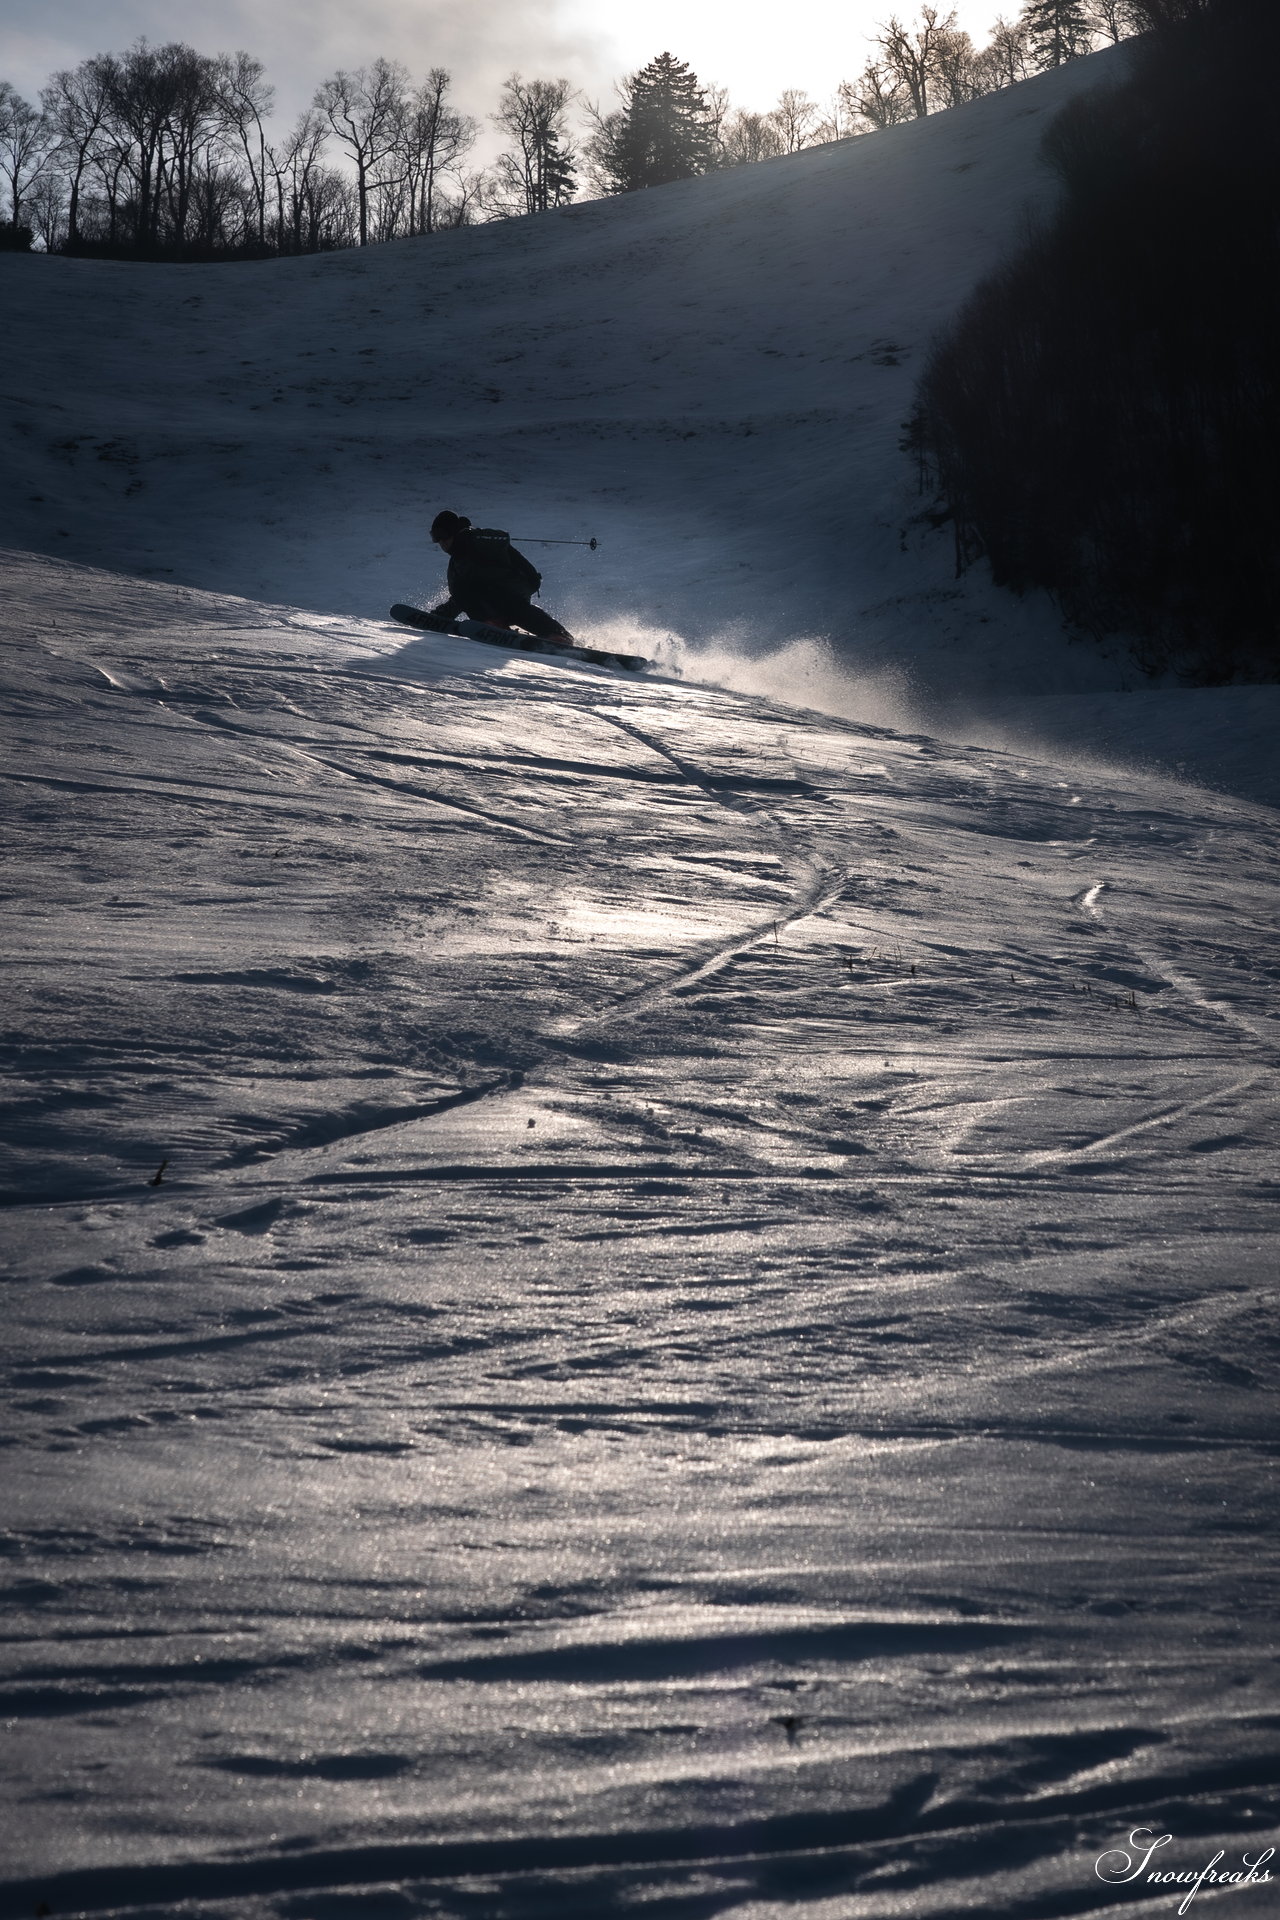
{"points": [[622, 1294], [710, 377], [707, 1334]]}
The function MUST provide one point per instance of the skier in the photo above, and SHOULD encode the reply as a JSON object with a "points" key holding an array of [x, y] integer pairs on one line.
{"points": [[489, 580]]}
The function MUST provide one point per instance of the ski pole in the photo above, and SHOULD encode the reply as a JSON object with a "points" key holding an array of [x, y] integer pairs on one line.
{"points": [[532, 540]]}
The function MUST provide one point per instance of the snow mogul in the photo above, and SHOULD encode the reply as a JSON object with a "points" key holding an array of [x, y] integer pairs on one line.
{"points": [[489, 580]]}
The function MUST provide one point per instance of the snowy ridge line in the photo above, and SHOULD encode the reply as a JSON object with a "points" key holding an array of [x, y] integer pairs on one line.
{"points": [[1088, 904], [810, 1847], [817, 900]]}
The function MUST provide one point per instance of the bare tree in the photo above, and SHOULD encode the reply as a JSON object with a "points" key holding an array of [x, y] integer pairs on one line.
{"points": [[466, 205], [795, 116], [46, 210], [192, 123], [911, 54], [844, 119], [246, 97], [25, 145], [315, 205], [333, 215], [832, 126], [1008, 52], [746, 137], [718, 111], [294, 167], [163, 148], [882, 98], [434, 138], [109, 157], [163, 113], [139, 102], [366, 110], [327, 216], [960, 72], [76, 103], [223, 202], [538, 169]]}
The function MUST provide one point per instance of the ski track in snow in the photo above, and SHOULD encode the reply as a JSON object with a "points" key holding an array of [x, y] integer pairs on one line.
{"points": [[816, 898], [623, 1295], [1160, 964], [703, 1351]]}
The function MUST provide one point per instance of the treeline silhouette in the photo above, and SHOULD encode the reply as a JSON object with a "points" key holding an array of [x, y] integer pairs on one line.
{"points": [[164, 152], [1101, 417]]}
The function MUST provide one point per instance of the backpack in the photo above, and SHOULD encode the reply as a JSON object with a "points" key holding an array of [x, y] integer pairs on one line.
{"points": [[490, 548]]}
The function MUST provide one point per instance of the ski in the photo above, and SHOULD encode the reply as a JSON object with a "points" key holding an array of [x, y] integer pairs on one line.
{"points": [[518, 642]]}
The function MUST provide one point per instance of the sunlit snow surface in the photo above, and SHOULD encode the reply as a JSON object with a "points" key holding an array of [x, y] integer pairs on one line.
{"points": [[706, 1342]]}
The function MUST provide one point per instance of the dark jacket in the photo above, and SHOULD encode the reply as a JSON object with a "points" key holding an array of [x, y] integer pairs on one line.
{"points": [[487, 575]]}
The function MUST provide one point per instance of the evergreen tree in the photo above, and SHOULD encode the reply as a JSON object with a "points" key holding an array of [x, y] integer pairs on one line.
{"points": [[663, 131], [1057, 30]]}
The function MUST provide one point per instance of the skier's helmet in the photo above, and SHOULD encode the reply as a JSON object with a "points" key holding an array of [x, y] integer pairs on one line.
{"points": [[446, 524]]}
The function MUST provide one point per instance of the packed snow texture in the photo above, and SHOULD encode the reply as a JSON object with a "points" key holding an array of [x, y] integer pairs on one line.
{"points": [[622, 1294]]}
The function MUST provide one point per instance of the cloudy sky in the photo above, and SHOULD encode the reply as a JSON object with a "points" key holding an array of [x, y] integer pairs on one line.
{"points": [[752, 48]]}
